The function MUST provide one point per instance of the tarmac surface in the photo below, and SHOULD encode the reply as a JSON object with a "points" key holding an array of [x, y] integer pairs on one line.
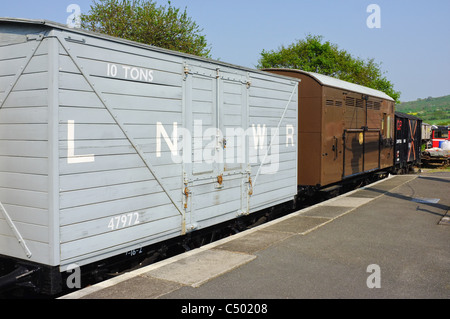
{"points": [[389, 240]]}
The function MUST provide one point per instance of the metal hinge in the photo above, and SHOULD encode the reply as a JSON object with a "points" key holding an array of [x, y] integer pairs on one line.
{"points": [[36, 37], [186, 71]]}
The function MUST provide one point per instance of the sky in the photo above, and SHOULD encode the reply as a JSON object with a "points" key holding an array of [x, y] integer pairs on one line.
{"points": [[411, 42]]}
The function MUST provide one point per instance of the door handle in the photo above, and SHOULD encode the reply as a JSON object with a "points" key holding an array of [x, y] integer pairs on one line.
{"points": [[335, 147]]}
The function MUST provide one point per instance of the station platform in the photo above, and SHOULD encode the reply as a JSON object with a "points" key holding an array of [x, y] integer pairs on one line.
{"points": [[390, 239]]}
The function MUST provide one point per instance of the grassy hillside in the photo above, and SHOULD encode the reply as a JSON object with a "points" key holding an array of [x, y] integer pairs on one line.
{"points": [[432, 110]]}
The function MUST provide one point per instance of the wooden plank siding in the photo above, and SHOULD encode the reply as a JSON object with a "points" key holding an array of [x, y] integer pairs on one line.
{"points": [[267, 103], [24, 148]]}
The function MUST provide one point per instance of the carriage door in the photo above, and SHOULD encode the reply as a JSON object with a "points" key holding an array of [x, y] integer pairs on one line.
{"points": [[216, 117], [333, 127]]}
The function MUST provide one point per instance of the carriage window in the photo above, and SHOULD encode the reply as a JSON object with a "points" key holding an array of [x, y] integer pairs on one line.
{"points": [[441, 134]]}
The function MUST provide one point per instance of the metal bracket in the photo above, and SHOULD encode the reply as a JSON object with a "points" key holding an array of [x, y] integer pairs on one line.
{"points": [[217, 73], [219, 182], [75, 39], [15, 231], [36, 37], [191, 227], [186, 71], [186, 193]]}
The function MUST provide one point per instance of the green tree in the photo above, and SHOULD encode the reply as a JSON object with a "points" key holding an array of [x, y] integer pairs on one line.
{"points": [[315, 55], [143, 21]]}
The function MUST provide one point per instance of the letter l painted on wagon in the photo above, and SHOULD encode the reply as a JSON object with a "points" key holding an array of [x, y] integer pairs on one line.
{"points": [[71, 157]]}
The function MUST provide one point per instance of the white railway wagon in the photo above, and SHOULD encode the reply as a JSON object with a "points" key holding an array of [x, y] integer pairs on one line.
{"points": [[107, 145]]}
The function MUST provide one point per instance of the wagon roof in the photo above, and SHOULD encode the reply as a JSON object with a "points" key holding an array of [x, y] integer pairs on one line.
{"points": [[408, 116], [341, 84], [60, 26]]}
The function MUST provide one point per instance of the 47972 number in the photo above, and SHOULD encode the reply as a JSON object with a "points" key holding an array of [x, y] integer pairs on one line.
{"points": [[124, 220]]}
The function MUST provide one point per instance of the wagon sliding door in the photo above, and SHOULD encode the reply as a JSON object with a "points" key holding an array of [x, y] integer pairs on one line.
{"points": [[216, 120], [371, 150], [361, 151]]}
